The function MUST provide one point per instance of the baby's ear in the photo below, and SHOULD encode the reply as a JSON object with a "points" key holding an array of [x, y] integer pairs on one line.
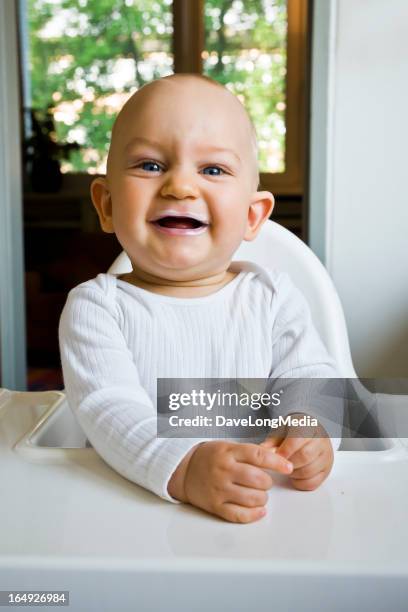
{"points": [[259, 211], [102, 201]]}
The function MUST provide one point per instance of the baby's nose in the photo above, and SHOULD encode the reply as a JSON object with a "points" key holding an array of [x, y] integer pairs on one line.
{"points": [[180, 185]]}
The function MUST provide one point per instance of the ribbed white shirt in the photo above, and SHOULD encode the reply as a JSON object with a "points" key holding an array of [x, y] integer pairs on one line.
{"points": [[117, 339]]}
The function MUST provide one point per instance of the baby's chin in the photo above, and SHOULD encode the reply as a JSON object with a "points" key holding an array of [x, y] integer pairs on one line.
{"points": [[196, 276]]}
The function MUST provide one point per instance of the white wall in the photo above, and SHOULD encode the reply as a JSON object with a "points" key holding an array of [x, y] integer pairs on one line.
{"points": [[366, 216]]}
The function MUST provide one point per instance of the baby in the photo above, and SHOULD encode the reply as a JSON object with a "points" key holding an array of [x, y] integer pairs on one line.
{"points": [[180, 193]]}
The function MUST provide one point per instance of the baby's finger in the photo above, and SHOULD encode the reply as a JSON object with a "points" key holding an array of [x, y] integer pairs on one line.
{"points": [[251, 476], [246, 496], [272, 441], [306, 454], [311, 469], [290, 446], [239, 514], [309, 484], [265, 458]]}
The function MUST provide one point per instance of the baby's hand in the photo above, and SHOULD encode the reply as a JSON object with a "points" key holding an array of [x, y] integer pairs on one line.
{"points": [[312, 456], [228, 479]]}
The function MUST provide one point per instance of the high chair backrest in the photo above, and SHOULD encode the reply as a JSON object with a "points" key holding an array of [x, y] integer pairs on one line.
{"points": [[277, 247]]}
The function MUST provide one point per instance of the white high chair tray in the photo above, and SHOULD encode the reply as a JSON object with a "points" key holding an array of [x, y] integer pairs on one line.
{"points": [[68, 521]]}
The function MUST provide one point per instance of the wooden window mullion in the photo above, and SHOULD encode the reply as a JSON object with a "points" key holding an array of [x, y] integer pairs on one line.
{"points": [[188, 37]]}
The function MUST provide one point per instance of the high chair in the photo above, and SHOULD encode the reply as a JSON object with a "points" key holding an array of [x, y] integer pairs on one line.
{"points": [[67, 518]]}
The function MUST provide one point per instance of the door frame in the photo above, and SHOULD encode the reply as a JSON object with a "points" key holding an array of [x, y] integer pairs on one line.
{"points": [[322, 95], [13, 363]]}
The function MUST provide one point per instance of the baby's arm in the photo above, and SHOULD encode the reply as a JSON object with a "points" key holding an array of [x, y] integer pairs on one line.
{"points": [[104, 391], [299, 353]]}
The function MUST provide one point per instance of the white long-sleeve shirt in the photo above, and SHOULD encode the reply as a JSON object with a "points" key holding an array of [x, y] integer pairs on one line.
{"points": [[116, 339]]}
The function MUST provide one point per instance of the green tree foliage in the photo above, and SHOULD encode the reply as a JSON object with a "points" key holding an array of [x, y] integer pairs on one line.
{"points": [[75, 44]]}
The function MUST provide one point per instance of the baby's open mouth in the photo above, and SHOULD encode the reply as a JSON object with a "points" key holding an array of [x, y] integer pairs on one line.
{"points": [[179, 222]]}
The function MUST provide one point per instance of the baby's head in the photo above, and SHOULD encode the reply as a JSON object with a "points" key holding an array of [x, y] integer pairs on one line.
{"points": [[182, 146]]}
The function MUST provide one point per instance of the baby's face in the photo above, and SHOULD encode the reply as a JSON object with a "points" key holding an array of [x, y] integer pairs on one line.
{"points": [[182, 147]]}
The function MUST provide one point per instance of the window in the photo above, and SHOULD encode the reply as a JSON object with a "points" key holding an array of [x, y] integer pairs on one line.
{"points": [[83, 58]]}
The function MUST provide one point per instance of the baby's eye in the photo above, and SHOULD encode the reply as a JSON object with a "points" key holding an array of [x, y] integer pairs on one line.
{"points": [[148, 163], [215, 168]]}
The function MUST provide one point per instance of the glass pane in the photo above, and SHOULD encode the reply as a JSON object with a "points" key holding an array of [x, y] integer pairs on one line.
{"points": [[86, 57], [245, 49]]}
